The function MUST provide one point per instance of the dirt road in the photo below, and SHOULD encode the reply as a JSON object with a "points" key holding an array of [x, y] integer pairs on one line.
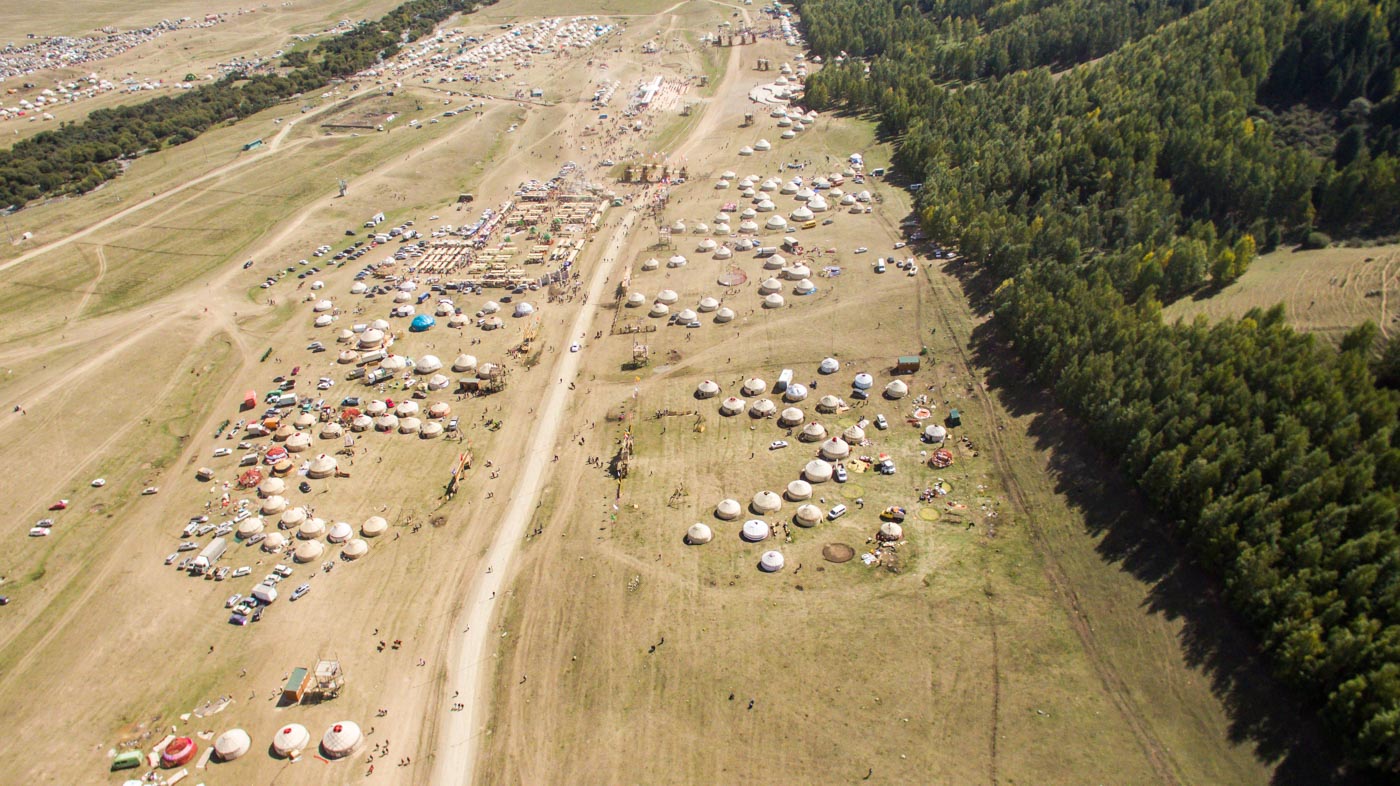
{"points": [[456, 757]]}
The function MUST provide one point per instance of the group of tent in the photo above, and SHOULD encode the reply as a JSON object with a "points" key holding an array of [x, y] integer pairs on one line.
{"points": [[341, 739]]}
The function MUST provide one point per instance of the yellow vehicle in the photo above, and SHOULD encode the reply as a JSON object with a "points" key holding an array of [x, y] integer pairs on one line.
{"points": [[810, 224]]}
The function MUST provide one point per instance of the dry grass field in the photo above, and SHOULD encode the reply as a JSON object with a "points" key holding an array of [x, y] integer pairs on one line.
{"points": [[1034, 627], [1328, 291]]}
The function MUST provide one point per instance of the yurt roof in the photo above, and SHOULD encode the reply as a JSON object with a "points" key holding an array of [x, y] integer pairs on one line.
{"points": [[291, 737], [755, 530], [728, 509], [699, 533], [355, 548], [232, 744], [374, 526]]}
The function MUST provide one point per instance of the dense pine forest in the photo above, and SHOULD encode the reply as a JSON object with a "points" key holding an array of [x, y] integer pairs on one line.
{"points": [[78, 157], [1093, 159]]}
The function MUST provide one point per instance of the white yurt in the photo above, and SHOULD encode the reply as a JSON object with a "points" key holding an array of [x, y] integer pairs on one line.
{"points": [[374, 526], [430, 430], [795, 392], [304, 420], [749, 213], [322, 305], [636, 300], [788, 134], [791, 187], [748, 227], [667, 296], [340, 532], [863, 381], [323, 466], [699, 534], [763, 408], [775, 223], [358, 288], [379, 324], [290, 738], [765, 205], [754, 386], [766, 502], [347, 356], [728, 174], [829, 366], [708, 244], [324, 320], [732, 406], [724, 314], [817, 204], [292, 517], [707, 389], [274, 505], [801, 214], [249, 527], [341, 740], [271, 486], [804, 194], [406, 409], [394, 363], [678, 227], [274, 542], [438, 382], [464, 364], [308, 551], [724, 252], [896, 389], [362, 423], [799, 490], [771, 562], [371, 338], [770, 185], [797, 272], [890, 531], [700, 228], [440, 409], [410, 425], [490, 307], [403, 297], [746, 151], [935, 434], [848, 200], [458, 320], [707, 303], [853, 434], [770, 286], [804, 287], [755, 530], [763, 144], [523, 309], [311, 529], [728, 509], [488, 370], [331, 430], [376, 408], [386, 423], [492, 323], [817, 471], [791, 417], [686, 316], [807, 516], [428, 364], [721, 185], [835, 449], [444, 309], [785, 123], [232, 744], [813, 432], [677, 260], [828, 403], [659, 309], [355, 549]]}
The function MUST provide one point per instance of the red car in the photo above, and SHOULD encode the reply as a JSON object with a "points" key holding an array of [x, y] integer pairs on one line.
{"points": [[59, 505]]}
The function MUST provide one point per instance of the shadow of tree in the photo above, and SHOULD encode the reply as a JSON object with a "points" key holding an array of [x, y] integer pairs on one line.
{"points": [[1280, 727]]}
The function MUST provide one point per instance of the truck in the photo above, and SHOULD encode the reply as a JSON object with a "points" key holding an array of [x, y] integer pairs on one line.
{"points": [[766, 251], [784, 379], [209, 556]]}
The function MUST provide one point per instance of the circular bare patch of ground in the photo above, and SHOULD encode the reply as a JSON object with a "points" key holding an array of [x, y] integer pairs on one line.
{"points": [[838, 552]]}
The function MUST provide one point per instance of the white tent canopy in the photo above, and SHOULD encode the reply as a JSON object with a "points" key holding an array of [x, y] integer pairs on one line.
{"points": [[755, 530], [728, 509], [699, 534]]}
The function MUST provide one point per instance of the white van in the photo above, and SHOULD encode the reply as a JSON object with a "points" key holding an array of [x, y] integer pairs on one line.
{"points": [[836, 513]]}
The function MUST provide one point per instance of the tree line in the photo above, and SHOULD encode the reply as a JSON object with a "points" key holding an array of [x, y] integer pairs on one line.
{"points": [[79, 156], [1094, 194]]}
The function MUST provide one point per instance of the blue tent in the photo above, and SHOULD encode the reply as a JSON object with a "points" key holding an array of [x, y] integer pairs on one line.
{"points": [[421, 323]]}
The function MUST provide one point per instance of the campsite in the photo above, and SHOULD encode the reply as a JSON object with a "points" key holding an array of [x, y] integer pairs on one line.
{"points": [[555, 394]]}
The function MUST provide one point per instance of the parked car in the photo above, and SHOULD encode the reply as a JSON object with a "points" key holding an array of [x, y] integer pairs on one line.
{"points": [[221, 452], [188, 545], [300, 592], [881, 423], [840, 473], [777, 444], [171, 557], [241, 572], [232, 600], [836, 513]]}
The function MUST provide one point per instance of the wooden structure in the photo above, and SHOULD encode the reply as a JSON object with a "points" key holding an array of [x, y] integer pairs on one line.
{"points": [[464, 463], [329, 680], [906, 364], [296, 686]]}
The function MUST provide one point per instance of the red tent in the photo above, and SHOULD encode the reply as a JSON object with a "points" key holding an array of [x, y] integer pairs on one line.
{"points": [[250, 399], [180, 751], [250, 479], [275, 454]]}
